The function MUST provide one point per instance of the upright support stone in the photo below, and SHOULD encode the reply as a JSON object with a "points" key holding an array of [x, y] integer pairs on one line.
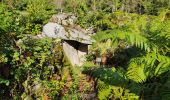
{"points": [[82, 52], [71, 54]]}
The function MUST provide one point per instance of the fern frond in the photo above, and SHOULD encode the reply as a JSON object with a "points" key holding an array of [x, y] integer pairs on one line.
{"points": [[107, 91], [138, 40], [136, 73], [105, 35], [128, 36], [104, 90], [163, 66], [151, 65]]}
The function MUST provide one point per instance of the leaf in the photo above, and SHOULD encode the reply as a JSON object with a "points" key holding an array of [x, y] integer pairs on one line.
{"points": [[3, 81]]}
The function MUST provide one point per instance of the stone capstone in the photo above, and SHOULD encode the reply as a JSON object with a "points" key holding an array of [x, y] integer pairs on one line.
{"points": [[54, 30], [63, 26]]}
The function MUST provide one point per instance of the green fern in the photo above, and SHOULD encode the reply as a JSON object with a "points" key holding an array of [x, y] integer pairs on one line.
{"points": [[136, 73], [151, 65], [105, 90], [163, 66]]}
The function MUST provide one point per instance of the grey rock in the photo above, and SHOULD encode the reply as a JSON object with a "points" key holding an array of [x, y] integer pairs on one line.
{"points": [[65, 22], [60, 17], [71, 53], [54, 30], [75, 52]]}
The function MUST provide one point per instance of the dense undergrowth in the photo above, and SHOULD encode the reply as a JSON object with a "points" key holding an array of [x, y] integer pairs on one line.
{"points": [[132, 35]]}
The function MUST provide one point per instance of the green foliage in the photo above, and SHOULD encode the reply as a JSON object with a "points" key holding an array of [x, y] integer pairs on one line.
{"points": [[148, 33], [3, 81], [6, 18], [135, 33], [39, 10], [112, 83], [32, 66], [114, 92]]}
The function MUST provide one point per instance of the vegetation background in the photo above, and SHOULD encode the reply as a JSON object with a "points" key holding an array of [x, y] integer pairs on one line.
{"points": [[134, 35]]}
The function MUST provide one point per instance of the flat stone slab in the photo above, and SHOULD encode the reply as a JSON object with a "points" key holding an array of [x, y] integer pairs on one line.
{"points": [[55, 30]]}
